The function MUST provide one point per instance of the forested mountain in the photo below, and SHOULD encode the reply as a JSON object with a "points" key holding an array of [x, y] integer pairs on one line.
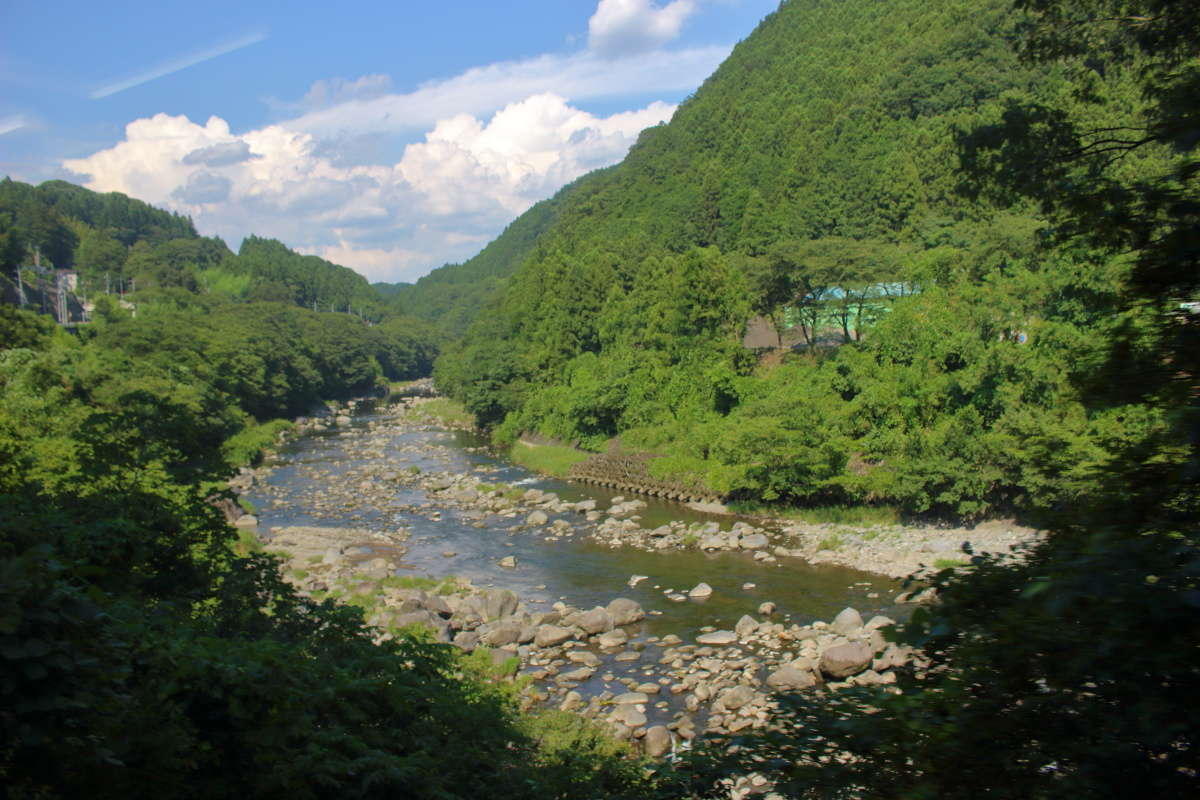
{"points": [[817, 176], [118, 244], [453, 296]]}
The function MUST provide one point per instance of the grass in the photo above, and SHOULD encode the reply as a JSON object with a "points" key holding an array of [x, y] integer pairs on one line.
{"points": [[248, 445], [690, 539], [830, 543], [447, 411], [824, 515], [442, 586], [950, 563], [247, 543], [552, 459]]}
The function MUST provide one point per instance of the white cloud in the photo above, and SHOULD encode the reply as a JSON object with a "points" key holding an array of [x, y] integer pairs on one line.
{"points": [[622, 27], [580, 76], [330, 92], [494, 140], [443, 200]]}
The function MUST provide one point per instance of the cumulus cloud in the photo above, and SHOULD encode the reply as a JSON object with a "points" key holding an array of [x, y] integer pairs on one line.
{"points": [[581, 76], [482, 147], [220, 155], [624, 27], [444, 199], [203, 187]]}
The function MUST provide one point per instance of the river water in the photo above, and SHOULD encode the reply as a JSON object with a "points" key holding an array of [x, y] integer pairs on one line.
{"points": [[577, 570]]}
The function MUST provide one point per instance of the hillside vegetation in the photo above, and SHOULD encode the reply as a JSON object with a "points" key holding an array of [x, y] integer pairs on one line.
{"points": [[451, 297], [817, 175]]}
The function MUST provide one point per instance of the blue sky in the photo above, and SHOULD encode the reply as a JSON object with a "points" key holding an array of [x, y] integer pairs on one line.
{"points": [[391, 137]]}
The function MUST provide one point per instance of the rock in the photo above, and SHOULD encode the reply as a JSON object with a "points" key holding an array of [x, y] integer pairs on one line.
{"points": [[614, 638], [766, 609], [879, 621], [847, 621], [502, 633], [844, 660], [631, 698], [745, 626], [755, 541], [585, 657], [537, 518], [735, 697], [625, 611], [598, 620], [578, 675], [508, 562], [246, 521], [701, 590], [629, 716], [717, 638], [550, 635], [712, 541], [790, 679], [342, 420], [657, 742], [634, 580], [499, 603], [572, 702], [584, 506], [466, 640]]}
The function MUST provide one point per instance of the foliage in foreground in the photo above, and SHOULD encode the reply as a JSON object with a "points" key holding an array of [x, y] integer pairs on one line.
{"points": [[1072, 674], [139, 649]]}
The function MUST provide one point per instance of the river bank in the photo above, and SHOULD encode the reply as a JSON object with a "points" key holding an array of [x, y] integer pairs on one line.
{"points": [[659, 621], [895, 551]]}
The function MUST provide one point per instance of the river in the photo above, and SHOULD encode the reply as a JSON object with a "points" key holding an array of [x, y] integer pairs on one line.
{"points": [[311, 480]]}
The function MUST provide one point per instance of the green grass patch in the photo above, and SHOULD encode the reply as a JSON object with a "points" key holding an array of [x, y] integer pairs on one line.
{"points": [[447, 412], [299, 574], [950, 563], [442, 586], [551, 459], [833, 542], [248, 445]]}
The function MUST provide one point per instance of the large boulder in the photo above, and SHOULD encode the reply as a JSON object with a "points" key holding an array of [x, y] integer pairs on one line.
{"points": [[701, 590], [499, 603], [745, 626], [754, 541], [790, 679], [598, 620], [657, 742], [847, 621], [536, 518], [735, 697], [550, 635], [844, 660], [717, 638], [501, 633], [625, 611]]}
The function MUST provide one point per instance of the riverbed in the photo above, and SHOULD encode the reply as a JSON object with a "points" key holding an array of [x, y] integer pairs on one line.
{"points": [[315, 480]]}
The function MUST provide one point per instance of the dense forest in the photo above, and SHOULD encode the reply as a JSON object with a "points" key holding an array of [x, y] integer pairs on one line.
{"points": [[817, 178], [982, 218]]}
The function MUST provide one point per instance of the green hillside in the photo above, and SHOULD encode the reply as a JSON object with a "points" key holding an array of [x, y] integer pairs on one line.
{"points": [[819, 164], [452, 296]]}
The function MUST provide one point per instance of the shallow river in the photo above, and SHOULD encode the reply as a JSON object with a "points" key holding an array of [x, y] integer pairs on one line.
{"points": [[577, 570]]}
